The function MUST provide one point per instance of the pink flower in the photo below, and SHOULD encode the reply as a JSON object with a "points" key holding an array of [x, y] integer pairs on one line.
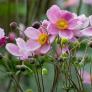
{"points": [[20, 49], [40, 40], [2, 38], [88, 31], [86, 77], [62, 22], [70, 3], [88, 2]]}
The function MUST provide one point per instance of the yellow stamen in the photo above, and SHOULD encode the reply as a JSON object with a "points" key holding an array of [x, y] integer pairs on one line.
{"points": [[43, 38], [62, 24]]}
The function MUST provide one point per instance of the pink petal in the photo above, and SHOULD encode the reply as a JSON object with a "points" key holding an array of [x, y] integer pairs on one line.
{"points": [[53, 13], [77, 33], [1, 33], [87, 32], [67, 15], [52, 38], [84, 20], [21, 43], [13, 49], [90, 19], [74, 24], [52, 29], [66, 34], [44, 49], [32, 33], [33, 45]]}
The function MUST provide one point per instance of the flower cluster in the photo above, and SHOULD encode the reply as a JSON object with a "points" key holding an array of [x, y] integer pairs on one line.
{"points": [[60, 26]]}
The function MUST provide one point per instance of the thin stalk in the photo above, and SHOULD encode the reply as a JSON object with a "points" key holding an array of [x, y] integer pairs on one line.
{"points": [[42, 80], [79, 7]]}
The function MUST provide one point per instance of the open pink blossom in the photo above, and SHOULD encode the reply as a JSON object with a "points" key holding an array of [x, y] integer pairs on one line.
{"points": [[39, 39], [2, 37], [86, 77], [20, 49], [88, 31], [62, 22]]}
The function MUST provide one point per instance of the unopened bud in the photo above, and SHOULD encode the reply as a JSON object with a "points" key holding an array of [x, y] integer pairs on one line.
{"points": [[90, 44], [36, 24], [13, 25], [12, 37], [44, 71], [64, 40]]}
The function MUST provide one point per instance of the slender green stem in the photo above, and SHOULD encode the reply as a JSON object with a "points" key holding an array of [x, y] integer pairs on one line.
{"points": [[79, 7]]}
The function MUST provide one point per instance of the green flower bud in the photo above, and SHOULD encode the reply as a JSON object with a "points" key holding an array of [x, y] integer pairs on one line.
{"points": [[76, 44], [64, 56], [29, 90], [44, 71], [64, 40]]}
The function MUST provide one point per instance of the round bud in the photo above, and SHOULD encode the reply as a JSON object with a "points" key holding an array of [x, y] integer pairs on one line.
{"points": [[12, 37], [36, 24], [64, 40], [44, 71], [13, 25]]}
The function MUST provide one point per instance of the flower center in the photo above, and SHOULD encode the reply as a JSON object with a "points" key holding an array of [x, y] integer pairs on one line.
{"points": [[43, 39], [62, 24]]}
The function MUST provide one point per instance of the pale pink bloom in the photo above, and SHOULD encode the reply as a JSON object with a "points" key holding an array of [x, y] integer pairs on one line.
{"points": [[2, 37], [69, 3], [88, 2], [62, 22], [88, 31], [86, 77], [39, 39], [20, 49]]}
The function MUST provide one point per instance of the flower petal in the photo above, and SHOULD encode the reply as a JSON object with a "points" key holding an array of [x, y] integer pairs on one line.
{"points": [[21, 43], [84, 20], [33, 45], [1, 33], [13, 49], [52, 38], [44, 49], [66, 34], [53, 13], [87, 32], [75, 24], [67, 15], [90, 19], [52, 29], [32, 33]]}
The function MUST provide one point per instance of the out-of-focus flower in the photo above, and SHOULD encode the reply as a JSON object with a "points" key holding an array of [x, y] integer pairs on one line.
{"points": [[39, 40], [88, 31], [62, 22], [88, 2], [2, 37], [20, 50], [70, 3], [12, 36], [86, 77]]}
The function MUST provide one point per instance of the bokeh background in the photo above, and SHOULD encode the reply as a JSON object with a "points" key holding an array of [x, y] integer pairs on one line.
{"points": [[25, 12]]}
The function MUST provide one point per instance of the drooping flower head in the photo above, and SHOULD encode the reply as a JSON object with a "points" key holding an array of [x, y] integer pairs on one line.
{"points": [[2, 37], [39, 39], [20, 49], [62, 22]]}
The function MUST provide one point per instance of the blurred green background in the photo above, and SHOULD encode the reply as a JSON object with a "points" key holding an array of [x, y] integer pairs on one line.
{"points": [[26, 12]]}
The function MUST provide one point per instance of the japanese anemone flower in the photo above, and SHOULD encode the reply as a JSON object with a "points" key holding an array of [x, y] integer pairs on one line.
{"points": [[39, 39], [2, 37], [62, 22], [20, 49]]}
